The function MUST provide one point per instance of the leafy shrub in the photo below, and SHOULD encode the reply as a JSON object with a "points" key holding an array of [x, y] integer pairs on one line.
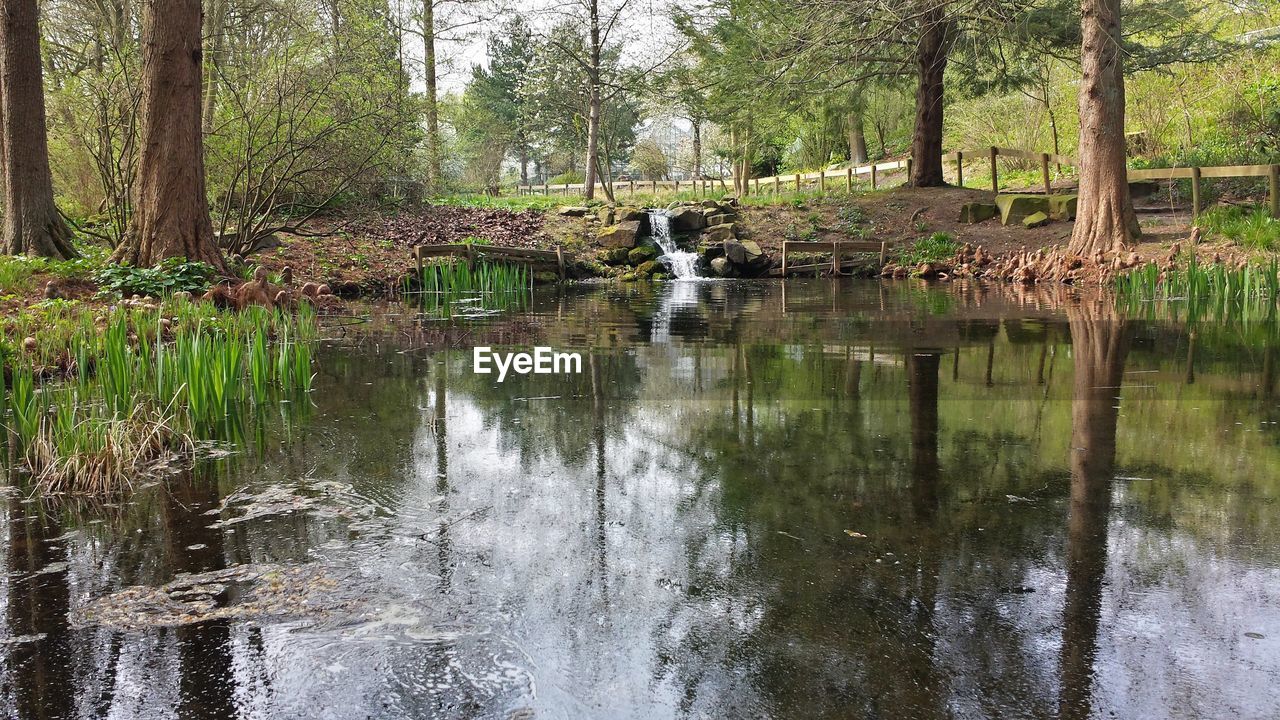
{"points": [[170, 276]]}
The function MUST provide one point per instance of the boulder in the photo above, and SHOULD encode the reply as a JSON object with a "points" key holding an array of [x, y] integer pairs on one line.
{"points": [[1063, 207], [573, 211], [722, 267], [627, 214], [711, 252], [719, 219], [615, 256], [735, 252], [1035, 220], [687, 219], [719, 233], [728, 208], [711, 204], [1014, 208], [622, 235], [977, 212], [605, 215], [753, 251], [647, 268], [642, 254]]}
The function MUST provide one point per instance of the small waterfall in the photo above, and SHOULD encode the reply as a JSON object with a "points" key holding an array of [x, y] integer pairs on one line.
{"points": [[684, 265]]}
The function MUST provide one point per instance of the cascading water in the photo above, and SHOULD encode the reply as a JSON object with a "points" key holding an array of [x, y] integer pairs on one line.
{"points": [[684, 265]]}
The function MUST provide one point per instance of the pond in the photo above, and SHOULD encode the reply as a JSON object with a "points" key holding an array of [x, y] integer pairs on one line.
{"points": [[823, 499]]}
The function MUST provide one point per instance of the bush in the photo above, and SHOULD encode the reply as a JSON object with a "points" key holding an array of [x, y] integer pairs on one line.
{"points": [[1251, 227], [170, 276]]}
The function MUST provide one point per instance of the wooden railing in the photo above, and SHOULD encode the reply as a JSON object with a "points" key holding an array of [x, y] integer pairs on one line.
{"points": [[550, 259], [991, 155], [837, 248]]}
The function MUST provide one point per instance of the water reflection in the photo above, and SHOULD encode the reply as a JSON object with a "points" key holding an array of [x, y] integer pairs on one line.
{"points": [[860, 500]]}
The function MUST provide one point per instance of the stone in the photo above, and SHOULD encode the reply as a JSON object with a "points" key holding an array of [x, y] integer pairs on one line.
{"points": [[687, 219], [622, 235], [752, 249], [728, 208], [1013, 208], [647, 268], [730, 200], [1063, 207], [615, 256], [605, 215], [711, 251], [642, 254], [719, 233], [1035, 220], [627, 214], [972, 213], [711, 204], [574, 211], [722, 267], [719, 219], [736, 253]]}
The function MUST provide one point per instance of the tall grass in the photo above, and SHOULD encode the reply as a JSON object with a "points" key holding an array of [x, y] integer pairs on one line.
{"points": [[1250, 227], [1196, 291], [148, 385], [488, 286]]}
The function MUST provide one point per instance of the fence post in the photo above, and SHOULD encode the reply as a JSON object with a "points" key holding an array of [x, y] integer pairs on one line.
{"points": [[874, 183], [677, 187], [757, 182], [1195, 193], [995, 177], [960, 168], [1044, 174], [797, 182], [822, 181], [777, 184], [546, 189], [909, 163], [848, 180], [1273, 187], [655, 187]]}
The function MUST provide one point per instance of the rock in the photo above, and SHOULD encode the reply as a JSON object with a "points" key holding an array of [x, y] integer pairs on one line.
{"points": [[722, 267], [719, 219], [728, 208], [687, 219], [605, 215], [1013, 208], [736, 252], [711, 204], [753, 251], [622, 235], [730, 200], [673, 206], [575, 211], [1035, 220], [642, 254], [1063, 207], [614, 256], [628, 277], [627, 214], [647, 268], [711, 251], [972, 213], [719, 233]]}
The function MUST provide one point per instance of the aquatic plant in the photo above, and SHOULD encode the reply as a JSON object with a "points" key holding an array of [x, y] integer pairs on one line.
{"points": [[147, 386], [1195, 291]]}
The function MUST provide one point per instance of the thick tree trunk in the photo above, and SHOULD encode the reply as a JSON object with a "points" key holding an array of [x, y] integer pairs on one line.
{"points": [[32, 225], [857, 139], [593, 111], [1100, 345], [434, 173], [931, 64], [171, 217], [1105, 221]]}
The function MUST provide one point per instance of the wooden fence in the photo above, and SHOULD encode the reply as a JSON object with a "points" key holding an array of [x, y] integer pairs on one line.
{"points": [[837, 248], [546, 259], [821, 180]]}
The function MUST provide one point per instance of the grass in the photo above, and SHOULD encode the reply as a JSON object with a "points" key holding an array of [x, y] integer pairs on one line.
{"points": [[1196, 291], [488, 286], [936, 248], [1250, 227], [137, 386], [17, 272]]}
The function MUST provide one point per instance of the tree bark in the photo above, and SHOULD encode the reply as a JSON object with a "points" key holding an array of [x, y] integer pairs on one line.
{"points": [[171, 217], [936, 38], [1105, 221], [215, 27], [32, 225], [434, 174], [593, 114], [857, 139], [697, 150], [1100, 344]]}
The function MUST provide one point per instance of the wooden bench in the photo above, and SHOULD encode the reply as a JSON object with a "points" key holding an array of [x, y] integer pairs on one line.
{"points": [[837, 248], [548, 259]]}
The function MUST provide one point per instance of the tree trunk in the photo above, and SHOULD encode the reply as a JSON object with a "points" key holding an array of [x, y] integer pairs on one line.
{"points": [[434, 174], [922, 401], [215, 27], [1105, 221], [857, 139], [931, 63], [524, 163], [697, 150], [1099, 345], [593, 114], [171, 217], [32, 225]]}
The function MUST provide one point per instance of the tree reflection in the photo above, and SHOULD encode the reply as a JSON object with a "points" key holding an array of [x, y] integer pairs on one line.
{"points": [[1100, 341], [38, 602]]}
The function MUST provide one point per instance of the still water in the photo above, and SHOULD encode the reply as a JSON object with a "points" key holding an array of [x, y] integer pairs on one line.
{"points": [[833, 499]]}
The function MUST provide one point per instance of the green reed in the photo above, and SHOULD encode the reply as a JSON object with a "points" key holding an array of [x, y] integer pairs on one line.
{"points": [[491, 286], [147, 384], [1200, 291]]}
